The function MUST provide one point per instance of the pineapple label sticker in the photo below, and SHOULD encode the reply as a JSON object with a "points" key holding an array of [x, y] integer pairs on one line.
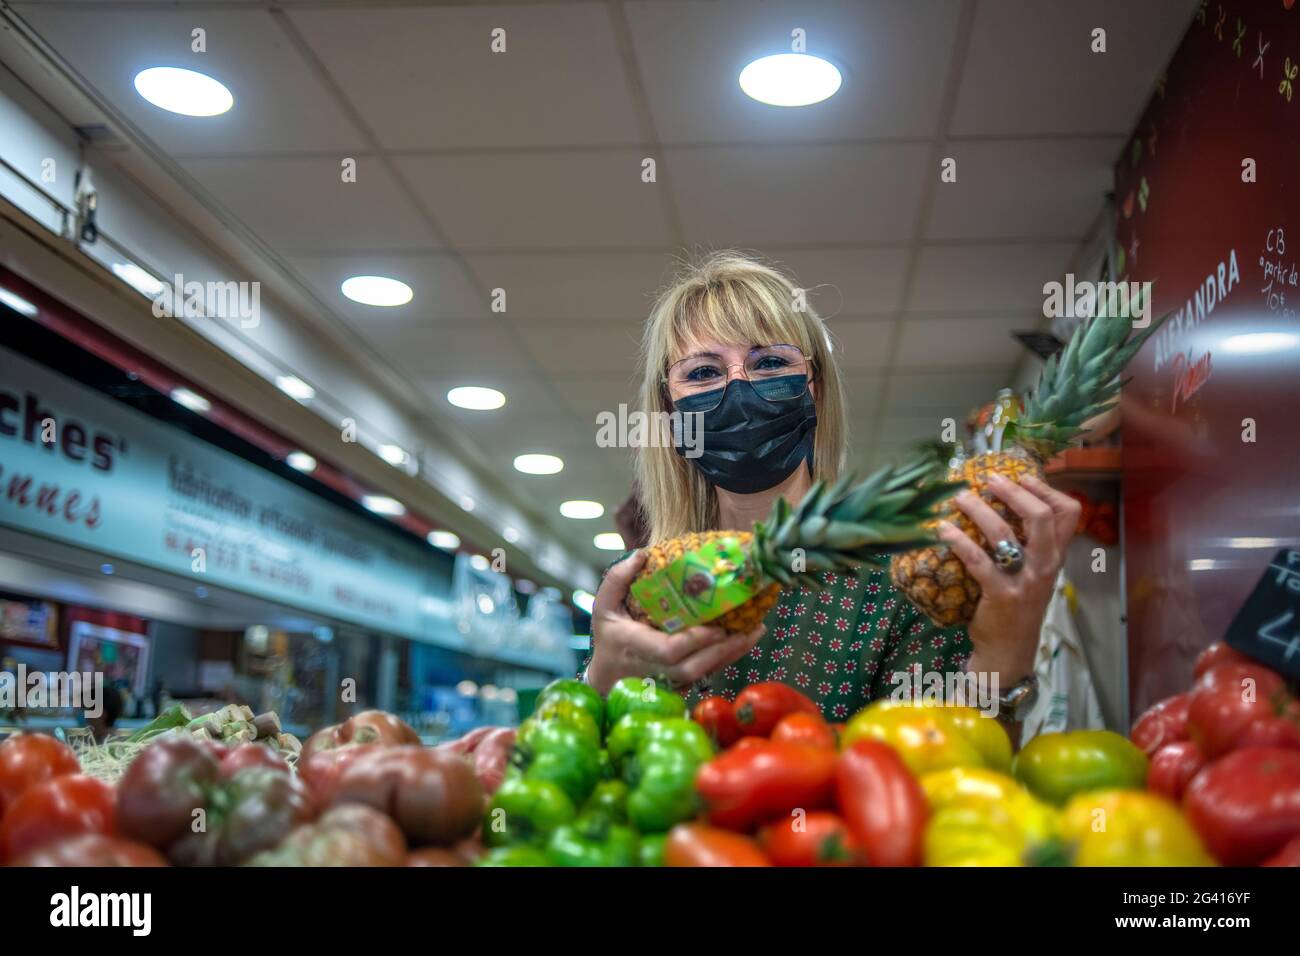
{"points": [[1267, 628]]}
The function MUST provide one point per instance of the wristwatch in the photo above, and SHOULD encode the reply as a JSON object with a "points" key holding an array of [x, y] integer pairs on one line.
{"points": [[1015, 704]]}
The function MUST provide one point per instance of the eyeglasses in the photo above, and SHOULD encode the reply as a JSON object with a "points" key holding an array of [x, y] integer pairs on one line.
{"points": [[777, 372]]}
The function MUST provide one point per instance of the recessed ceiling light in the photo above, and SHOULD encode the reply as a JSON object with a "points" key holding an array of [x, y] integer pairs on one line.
{"points": [[582, 510], [790, 79], [447, 540], [476, 397], [510, 534], [295, 388], [19, 304], [383, 505], [478, 562], [138, 279], [466, 503], [535, 464], [183, 91], [301, 461], [585, 600], [393, 454], [609, 541], [377, 290], [191, 400], [1256, 343]]}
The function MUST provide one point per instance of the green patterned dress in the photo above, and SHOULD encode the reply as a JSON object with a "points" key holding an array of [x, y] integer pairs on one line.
{"points": [[841, 645]]}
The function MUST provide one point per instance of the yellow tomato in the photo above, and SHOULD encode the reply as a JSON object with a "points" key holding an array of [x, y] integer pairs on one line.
{"points": [[985, 818], [1130, 828], [932, 736]]}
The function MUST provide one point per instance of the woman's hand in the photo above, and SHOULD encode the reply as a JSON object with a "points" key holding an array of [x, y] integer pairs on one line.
{"points": [[1009, 618], [623, 647]]}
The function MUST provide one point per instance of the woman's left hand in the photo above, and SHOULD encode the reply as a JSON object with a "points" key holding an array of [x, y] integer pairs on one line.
{"points": [[1005, 631]]}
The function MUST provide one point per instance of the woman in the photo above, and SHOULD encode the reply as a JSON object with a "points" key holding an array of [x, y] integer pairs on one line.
{"points": [[722, 326]]}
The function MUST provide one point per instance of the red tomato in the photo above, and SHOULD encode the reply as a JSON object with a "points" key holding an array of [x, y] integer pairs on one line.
{"points": [[1172, 768], [65, 805], [744, 787], [807, 729], [321, 771], [251, 755], [1246, 806], [1162, 723], [882, 803], [1231, 697], [27, 759], [718, 718], [819, 838], [1271, 732], [1289, 855], [744, 743], [760, 706], [91, 849], [694, 844], [1214, 655]]}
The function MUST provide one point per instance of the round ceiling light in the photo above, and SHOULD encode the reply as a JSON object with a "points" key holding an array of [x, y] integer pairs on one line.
{"points": [[301, 461], [582, 510], [609, 541], [183, 91], [535, 464], [790, 79], [377, 290], [447, 540], [476, 397], [383, 505]]}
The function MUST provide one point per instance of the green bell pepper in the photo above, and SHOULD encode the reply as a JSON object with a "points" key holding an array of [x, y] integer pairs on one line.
{"points": [[662, 782], [641, 695], [575, 692], [650, 849], [522, 855], [560, 753], [593, 840], [609, 798], [525, 811]]}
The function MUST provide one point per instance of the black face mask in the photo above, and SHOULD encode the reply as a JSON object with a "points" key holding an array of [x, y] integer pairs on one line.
{"points": [[749, 443]]}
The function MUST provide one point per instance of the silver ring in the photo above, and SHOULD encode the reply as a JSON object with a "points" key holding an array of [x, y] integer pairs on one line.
{"points": [[1009, 556]]}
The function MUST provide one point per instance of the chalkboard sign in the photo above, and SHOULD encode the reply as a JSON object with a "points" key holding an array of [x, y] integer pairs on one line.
{"points": [[1267, 627]]}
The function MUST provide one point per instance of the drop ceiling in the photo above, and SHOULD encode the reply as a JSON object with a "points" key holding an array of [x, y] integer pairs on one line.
{"points": [[521, 171]]}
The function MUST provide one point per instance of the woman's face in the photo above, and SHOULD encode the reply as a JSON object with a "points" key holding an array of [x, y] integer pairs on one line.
{"points": [[709, 365]]}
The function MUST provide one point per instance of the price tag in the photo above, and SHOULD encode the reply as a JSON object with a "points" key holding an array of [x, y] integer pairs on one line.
{"points": [[1267, 627]]}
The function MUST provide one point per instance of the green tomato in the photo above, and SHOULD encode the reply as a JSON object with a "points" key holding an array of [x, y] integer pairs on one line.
{"points": [[559, 711], [576, 692], [609, 798], [684, 731], [522, 855], [593, 840], [1057, 766], [650, 849], [564, 755], [626, 736], [662, 781], [633, 695], [525, 811]]}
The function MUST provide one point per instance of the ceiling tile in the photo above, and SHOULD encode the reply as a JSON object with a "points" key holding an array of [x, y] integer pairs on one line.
{"points": [[441, 290], [1023, 189], [778, 195], [573, 350], [428, 78], [890, 52], [302, 205], [280, 104], [545, 201], [862, 344], [963, 341], [847, 282], [1030, 68], [613, 288], [1002, 276]]}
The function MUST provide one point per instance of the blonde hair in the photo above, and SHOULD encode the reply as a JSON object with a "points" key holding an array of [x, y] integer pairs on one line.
{"points": [[727, 297]]}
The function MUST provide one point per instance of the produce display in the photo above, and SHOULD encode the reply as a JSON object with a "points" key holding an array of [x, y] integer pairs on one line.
{"points": [[1075, 385], [735, 577], [1211, 776]]}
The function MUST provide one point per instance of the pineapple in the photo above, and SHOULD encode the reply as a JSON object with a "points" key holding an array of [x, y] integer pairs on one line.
{"points": [[1077, 384], [832, 529]]}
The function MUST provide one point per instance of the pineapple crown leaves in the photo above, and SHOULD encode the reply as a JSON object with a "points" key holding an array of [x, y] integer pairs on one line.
{"points": [[1079, 382], [844, 525]]}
